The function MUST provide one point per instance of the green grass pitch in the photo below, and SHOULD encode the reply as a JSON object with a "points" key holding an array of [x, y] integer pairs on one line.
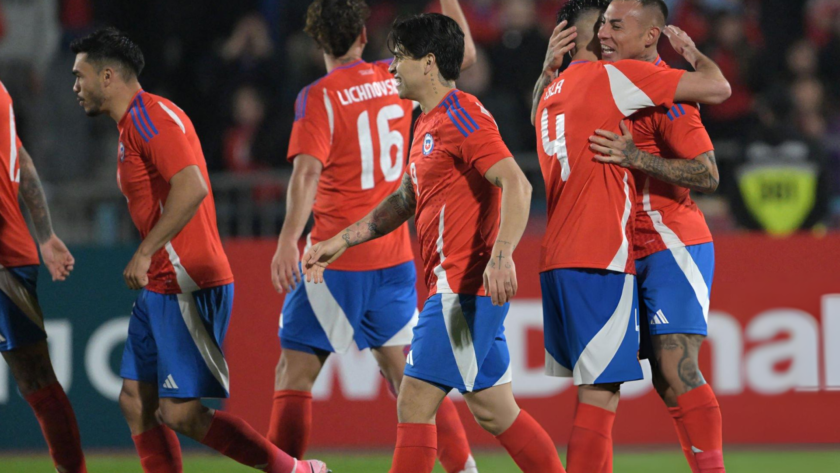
{"points": [[774, 461]]}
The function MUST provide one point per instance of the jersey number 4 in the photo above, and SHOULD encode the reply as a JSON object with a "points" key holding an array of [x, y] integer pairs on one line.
{"points": [[556, 148], [388, 138]]}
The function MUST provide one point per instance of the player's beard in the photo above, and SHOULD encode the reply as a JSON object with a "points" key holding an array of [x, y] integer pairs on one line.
{"points": [[94, 105]]}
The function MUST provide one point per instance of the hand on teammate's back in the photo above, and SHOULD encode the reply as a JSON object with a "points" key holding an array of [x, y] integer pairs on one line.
{"points": [[57, 258], [285, 272], [319, 256]]}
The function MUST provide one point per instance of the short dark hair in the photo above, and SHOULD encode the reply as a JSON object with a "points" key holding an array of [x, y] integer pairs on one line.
{"points": [[573, 9], [110, 44], [657, 4], [430, 33], [335, 24]]}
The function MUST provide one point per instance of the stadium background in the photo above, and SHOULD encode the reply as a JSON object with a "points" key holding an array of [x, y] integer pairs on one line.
{"points": [[236, 68]]}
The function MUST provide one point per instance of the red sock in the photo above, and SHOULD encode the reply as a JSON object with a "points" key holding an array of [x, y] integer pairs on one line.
{"points": [[453, 448], [58, 424], [416, 448], [590, 446], [530, 446], [234, 438], [702, 420], [685, 443], [291, 421], [159, 450]]}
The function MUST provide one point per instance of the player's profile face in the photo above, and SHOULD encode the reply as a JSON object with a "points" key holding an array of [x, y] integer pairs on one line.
{"points": [[87, 86], [407, 72], [622, 33]]}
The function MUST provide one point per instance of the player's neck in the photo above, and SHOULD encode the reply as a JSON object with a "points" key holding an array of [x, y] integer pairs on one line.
{"points": [[585, 55], [650, 55], [349, 58], [434, 94], [121, 100]]}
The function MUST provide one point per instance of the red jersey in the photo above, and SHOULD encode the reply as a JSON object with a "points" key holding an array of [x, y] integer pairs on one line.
{"points": [[458, 210], [353, 121], [157, 140], [17, 248], [666, 217], [590, 204]]}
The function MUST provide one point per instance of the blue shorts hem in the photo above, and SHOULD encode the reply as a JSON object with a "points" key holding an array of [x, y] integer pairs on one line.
{"points": [[297, 345], [444, 384], [675, 330]]}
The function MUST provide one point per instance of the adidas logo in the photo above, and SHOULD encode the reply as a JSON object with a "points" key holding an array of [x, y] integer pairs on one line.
{"points": [[170, 383], [410, 359], [658, 318]]}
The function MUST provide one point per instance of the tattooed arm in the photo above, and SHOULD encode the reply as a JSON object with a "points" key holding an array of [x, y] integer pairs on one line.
{"points": [[500, 275], [561, 42], [56, 256], [392, 212], [698, 174]]}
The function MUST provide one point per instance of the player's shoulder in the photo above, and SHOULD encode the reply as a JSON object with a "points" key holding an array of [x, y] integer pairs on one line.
{"points": [[152, 114], [464, 113]]}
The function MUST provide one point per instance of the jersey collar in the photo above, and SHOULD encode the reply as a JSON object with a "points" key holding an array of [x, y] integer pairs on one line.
{"points": [[130, 105]]}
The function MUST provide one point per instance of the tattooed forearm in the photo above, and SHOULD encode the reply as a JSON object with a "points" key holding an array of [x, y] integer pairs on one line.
{"points": [[392, 212], [33, 196], [699, 174]]}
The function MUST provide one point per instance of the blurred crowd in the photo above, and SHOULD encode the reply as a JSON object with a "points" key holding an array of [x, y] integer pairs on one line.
{"points": [[236, 68]]}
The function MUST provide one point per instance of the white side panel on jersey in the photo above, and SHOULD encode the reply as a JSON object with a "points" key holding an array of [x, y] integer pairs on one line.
{"points": [[601, 350], [207, 347], [680, 253], [628, 98], [173, 116], [460, 338], [330, 315], [554, 368], [328, 105], [184, 280], [13, 152], [404, 336], [22, 298], [619, 261], [440, 273]]}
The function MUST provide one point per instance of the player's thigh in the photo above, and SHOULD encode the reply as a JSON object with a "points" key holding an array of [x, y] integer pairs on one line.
{"points": [[391, 362], [31, 367], [677, 357], [298, 370], [494, 408], [390, 308], [591, 326], [419, 400]]}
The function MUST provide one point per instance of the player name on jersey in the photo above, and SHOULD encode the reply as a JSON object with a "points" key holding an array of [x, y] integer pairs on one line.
{"points": [[367, 91]]}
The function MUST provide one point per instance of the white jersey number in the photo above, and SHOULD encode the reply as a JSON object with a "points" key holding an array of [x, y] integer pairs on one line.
{"points": [[556, 148], [388, 138]]}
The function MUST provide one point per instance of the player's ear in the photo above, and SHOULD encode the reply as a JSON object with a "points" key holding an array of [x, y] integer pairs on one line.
{"points": [[428, 63], [363, 39], [652, 37]]}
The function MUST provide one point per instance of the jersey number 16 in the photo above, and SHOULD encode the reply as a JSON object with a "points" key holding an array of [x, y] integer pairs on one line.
{"points": [[388, 138]]}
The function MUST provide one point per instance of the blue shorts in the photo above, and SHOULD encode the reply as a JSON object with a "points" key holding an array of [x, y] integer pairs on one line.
{"points": [[175, 341], [21, 320], [591, 324], [459, 343], [674, 290], [374, 308]]}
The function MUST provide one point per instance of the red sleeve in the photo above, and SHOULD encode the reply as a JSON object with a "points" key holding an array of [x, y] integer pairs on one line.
{"points": [[169, 149], [636, 85], [684, 132], [481, 145], [311, 130]]}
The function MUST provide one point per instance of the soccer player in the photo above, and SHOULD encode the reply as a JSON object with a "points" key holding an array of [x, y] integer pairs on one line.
{"points": [[589, 290], [672, 243], [22, 336], [173, 355], [471, 203], [348, 148]]}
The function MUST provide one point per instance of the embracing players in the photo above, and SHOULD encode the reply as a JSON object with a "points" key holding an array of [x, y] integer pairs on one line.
{"points": [[589, 291], [471, 204], [348, 149], [173, 355], [23, 340], [672, 243]]}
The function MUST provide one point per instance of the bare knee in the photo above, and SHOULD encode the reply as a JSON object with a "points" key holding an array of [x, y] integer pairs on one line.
{"points": [[605, 396], [188, 417], [297, 371], [418, 401], [31, 367], [662, 386], [488, 420], [494, 409], [677, 359]]}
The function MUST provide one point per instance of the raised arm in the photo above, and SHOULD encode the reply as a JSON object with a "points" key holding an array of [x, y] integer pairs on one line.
{"points": [[300, 197], [698, 174], [186, 192], [452, 9], [57, 257], [560, 43], [707, 84], [392, 212], [500, 275]]}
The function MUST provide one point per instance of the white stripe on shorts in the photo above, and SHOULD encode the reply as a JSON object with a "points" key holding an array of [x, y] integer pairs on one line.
{"points": [[330, 315], [404, 336], [460, 338], [213, 357], [601, 350]]}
